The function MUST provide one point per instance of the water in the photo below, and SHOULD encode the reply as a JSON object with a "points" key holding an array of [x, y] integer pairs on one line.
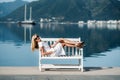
{"points": [[102, 42]]}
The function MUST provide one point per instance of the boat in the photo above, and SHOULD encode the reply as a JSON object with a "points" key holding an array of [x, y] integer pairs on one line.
{"points": [[29, 21]]}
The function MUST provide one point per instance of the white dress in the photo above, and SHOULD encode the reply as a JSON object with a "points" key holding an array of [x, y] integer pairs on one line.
{"points": [[57, 50]]}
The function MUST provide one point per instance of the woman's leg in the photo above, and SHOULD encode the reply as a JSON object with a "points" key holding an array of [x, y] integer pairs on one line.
{"points": [[62, 40], [70, 43]]}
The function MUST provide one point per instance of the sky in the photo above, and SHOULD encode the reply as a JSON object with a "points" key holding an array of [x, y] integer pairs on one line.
{"points": [[14, 0]]}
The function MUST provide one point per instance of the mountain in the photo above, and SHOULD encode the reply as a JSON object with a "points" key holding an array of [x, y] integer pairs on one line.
{"points": [[104, 9], [7, 7], [71, 10]]}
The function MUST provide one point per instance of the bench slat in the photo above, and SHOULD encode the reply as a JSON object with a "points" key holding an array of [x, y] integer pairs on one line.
{"points": [[60, 66], [68, 57]]}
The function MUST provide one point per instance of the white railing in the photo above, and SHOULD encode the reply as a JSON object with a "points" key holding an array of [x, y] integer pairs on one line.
{"points": [[71, 53]]}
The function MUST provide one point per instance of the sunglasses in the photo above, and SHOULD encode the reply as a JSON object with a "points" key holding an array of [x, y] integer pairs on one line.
{"points": [[36, 37]]}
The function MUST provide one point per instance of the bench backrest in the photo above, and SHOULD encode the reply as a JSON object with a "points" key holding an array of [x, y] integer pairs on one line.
{"points": [[70, 51]]}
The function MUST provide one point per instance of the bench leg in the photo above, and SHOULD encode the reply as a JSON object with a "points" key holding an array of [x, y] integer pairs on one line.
{"points": [[40, 68], [82, 69], [80, 65], [40, 65]]}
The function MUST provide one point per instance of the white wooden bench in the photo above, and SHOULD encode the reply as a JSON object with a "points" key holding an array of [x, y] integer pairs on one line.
{"points": [[71, 53]]}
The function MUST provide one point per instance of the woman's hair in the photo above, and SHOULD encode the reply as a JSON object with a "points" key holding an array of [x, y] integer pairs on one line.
{"points": [[34, 44]]}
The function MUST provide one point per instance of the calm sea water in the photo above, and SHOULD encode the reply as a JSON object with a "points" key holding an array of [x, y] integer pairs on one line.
{"points": [[102, 43]]}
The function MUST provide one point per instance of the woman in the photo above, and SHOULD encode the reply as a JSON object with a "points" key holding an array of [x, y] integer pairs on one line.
{"points": [[55, 49]]}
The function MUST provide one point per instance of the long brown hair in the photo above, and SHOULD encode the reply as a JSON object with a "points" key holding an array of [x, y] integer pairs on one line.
{"points": [[34, 44]]}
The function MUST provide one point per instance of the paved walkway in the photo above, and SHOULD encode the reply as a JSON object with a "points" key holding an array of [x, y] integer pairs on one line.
{"points": [[33, 73]]}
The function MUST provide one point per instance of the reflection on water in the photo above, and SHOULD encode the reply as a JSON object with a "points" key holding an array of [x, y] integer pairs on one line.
{"points": [[29, 27], [108, 59], [51, 27], [98, 37], [104, 25]]}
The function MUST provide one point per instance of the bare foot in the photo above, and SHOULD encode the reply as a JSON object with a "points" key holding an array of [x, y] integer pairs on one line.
{"points": [[80, 45]]}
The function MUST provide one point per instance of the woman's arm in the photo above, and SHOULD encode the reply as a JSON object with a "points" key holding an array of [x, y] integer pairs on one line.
{"points": [[43, 52], [53, 45]]}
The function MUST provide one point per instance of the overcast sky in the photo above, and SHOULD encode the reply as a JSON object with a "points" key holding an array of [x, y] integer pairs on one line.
{"points": [[14, 0]]}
